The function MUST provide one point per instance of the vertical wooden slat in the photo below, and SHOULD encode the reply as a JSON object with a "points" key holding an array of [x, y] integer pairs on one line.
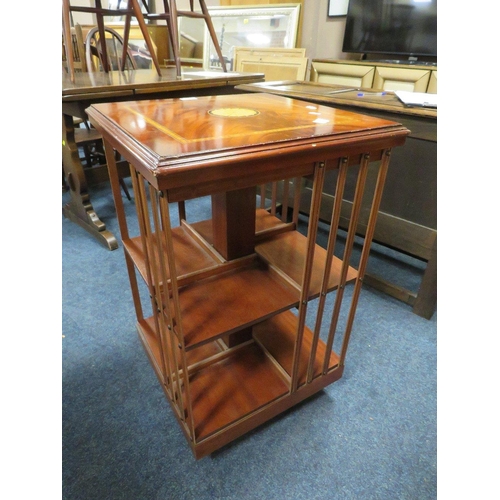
{"points": [[274, 197], [262, 196], [370, 230], [319, 175], [66, 25], [122, 223], [330, 251], [297, 186], [175, 321], [351, 233], [284, 200], [181, 206], [153, 278], [162, 295]]}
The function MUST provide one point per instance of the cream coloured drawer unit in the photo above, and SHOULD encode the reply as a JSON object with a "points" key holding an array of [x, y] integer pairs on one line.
{"points": [[274, 68], [342, 74], [275, 63], [409, 79], [433, 83]]}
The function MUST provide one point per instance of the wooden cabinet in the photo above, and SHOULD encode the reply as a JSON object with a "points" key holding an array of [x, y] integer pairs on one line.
{"points": [[233, 315], [376, 75]]}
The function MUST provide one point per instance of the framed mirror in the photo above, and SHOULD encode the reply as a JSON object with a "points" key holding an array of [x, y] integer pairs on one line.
{"points": [[263, 26]]}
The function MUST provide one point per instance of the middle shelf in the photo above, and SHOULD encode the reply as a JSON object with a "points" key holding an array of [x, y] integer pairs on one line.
{"points": [[249, 290]]}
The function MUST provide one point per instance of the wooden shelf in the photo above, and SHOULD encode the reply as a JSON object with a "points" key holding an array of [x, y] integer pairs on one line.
{"points": [[247, 378], [287, 251], [277, 335], [233, 388], [146, 330], [232, 301], [264, 222], [190, 255]]}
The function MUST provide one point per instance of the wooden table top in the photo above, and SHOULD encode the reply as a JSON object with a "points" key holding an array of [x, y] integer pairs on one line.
{"points": [[321, 92], [234, 139], [134, 82]]}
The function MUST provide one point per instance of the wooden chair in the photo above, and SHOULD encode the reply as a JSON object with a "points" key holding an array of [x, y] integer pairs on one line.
{"points": [[132, 10], [78, 50], [96, 51], [171, 14], [87, 138]]}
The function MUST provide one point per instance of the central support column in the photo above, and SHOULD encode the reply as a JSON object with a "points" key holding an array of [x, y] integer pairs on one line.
{"points": [[233, 225], [233, 221]]}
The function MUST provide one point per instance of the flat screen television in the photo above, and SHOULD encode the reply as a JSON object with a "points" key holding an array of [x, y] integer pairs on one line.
{"points": [[395, 27]]}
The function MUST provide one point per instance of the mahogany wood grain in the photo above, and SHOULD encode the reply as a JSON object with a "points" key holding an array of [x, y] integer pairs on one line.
{"points": [[181, 147], [233, 388], [287, 252], [277, 336], [233, 212], [189, 256], [248, 295]]}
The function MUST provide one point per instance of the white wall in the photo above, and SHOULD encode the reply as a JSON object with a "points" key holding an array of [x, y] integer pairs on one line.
{"points": [[321, 35]]}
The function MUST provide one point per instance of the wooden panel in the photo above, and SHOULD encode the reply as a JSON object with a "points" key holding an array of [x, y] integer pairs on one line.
{"points": [[269, 52], [342, 74], [412, 80]]}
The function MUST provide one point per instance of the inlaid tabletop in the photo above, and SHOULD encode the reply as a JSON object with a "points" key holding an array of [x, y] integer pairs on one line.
{"points": [[191, 146], [172, 128]]}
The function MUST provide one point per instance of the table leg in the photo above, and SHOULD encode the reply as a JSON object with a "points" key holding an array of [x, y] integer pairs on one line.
{"points": [[80, 209], [425, 303]]}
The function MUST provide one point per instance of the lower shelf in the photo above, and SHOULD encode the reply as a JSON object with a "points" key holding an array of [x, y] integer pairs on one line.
{"points": [[233, 387], [277, 337]]}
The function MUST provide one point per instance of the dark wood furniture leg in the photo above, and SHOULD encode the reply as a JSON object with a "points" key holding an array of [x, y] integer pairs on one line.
{"points": [[80, 209], [425, 302]]}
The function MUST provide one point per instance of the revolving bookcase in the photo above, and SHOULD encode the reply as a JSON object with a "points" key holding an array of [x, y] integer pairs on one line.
{"points": [[233, 318]]}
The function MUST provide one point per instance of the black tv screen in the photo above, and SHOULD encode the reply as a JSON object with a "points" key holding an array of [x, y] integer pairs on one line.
{"points": [[397, 27]]}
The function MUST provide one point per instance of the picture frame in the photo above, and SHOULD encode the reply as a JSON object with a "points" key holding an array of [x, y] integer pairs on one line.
{"points": [[337, 8], [262, 26]]}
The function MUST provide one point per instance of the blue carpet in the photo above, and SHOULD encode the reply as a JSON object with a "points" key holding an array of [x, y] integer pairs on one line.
{"points": [[371, 435]]}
